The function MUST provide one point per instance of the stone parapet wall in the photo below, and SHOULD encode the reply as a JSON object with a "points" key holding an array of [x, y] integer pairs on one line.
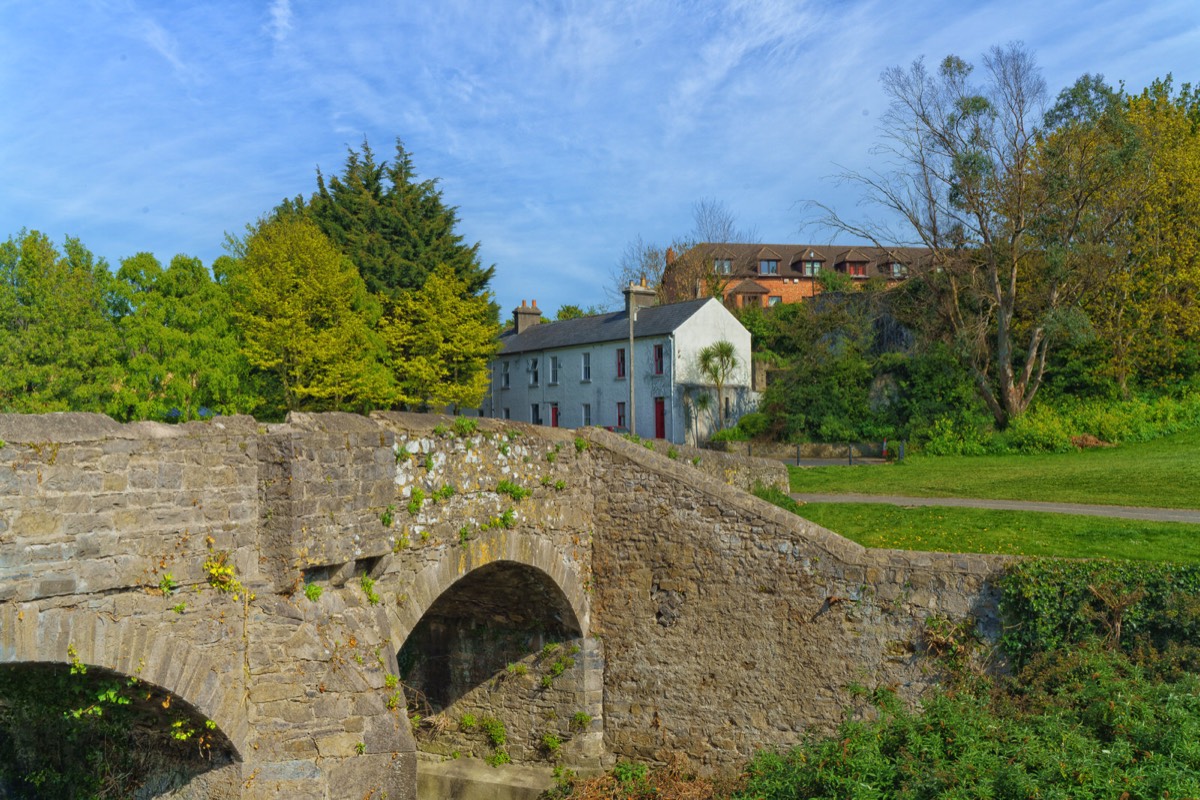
{"points": [[739, 470], [730, 625]]}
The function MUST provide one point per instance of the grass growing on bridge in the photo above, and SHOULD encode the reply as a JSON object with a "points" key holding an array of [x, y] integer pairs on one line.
{"points": [[1163, 473], [972, 530]]}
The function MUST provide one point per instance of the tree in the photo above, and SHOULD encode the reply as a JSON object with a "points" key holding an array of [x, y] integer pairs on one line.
{"points": [[306, 318], [1007, 221], [180, 350], [716, 363], [572, 311], [58, 343], [683, 270], [1147, 311], [394, 228], [439, 342]]}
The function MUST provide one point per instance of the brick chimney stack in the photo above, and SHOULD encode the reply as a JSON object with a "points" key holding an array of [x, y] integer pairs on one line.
{"points": [[526, 316]]}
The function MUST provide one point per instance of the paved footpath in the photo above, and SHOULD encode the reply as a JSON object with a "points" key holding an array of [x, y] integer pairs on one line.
{"points": [[1121, 512]]}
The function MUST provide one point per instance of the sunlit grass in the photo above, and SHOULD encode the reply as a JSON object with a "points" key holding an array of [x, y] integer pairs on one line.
{"points": [[971, 530], [1164, 473]]}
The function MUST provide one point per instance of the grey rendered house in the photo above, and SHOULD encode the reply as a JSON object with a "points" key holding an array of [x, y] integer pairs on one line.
{"points": [[575, 373]]}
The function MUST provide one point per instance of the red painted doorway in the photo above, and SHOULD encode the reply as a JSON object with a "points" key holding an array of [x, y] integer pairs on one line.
{"points": [[660, 418]]}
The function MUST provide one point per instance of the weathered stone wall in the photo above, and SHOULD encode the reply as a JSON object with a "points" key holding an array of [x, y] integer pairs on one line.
{"points": [[736, 469], [790, 452], [730, 625]]}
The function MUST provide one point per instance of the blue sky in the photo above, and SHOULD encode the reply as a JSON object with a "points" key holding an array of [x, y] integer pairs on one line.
{"points": [[561, 130]]}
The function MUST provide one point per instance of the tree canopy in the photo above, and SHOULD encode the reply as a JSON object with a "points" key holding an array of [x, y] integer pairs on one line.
{"points": [[394, 228]]}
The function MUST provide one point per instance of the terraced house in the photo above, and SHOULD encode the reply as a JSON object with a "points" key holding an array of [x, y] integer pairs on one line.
{"points": [[601, 370], [770, 274]]}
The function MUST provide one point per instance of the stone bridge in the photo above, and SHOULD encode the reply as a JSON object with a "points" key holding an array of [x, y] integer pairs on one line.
{"points": [[330, 596]]}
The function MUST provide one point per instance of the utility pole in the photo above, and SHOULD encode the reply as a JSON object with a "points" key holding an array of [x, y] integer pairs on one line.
{"points": [[635, 297]]}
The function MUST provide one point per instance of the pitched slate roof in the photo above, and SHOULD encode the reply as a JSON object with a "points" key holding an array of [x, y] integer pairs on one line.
{"points": [[651, 321], [745, 257]]}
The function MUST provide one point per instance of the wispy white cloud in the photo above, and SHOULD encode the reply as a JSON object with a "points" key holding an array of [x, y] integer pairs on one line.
{"points": [[560, 129], [281, 19]]}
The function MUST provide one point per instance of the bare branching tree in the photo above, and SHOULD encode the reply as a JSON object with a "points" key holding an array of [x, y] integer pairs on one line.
{"points": [[691, 272], [1005, 218]]}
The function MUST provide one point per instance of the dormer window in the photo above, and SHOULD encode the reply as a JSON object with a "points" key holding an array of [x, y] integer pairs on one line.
{"points": [[722, 266], [810, 269], [768, 266], [897, 270]]}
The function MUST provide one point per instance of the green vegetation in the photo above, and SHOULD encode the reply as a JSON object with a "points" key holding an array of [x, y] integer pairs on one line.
{"points": [[367, 584], [494, 730], [1162, 473], [361, 296], [513, 490], [971, 530], [465, 426], [415, 501], [313, 591]]}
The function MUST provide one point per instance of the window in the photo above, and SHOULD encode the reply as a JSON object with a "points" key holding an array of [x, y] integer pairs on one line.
{"points": [[553, 370], [722, 266], [620, 362], [620, 415], [658, 359], [585, 370], [768, 266], [504, 376], [897, 270], [774, 300], [857, 270], [586, 416], [811, 269], [535, 415], [533, 372], [508, 413], [728, 409]]}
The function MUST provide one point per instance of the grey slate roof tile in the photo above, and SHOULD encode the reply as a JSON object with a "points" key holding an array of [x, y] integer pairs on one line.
{"points": [[651, 321]]}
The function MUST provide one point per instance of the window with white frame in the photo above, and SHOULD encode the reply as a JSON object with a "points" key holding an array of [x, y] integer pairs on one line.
{"points": [[504, 375], [533, 372], [620, 415], [768, 266], [553, 370], [585, 367], [722, 266], [586, 415]]}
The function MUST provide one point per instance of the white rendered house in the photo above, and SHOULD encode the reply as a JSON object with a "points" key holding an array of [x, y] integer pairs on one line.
{"points": [[580, 372]]}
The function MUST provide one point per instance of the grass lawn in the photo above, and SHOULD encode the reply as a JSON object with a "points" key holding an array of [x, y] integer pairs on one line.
{"points": [[971, 530], [1164, 473]]}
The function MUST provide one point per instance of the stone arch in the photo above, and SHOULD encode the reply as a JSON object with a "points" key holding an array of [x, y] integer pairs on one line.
{"points": [[495, 629], [536, 552], [131, 647]]}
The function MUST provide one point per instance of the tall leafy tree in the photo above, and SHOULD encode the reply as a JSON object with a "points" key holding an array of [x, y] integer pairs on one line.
{"points": [[181, 351], [58, 342], [306, 318], [439, 340], [1148, 311], [395, 228], [1006, 228]]}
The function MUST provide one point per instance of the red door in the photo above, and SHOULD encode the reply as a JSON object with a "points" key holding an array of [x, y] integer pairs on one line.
{"points": [[660, 418], [554, 415]]}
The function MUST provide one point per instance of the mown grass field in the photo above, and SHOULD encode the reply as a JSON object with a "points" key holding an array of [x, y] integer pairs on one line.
{"points": [[971, 530], [1163, 473]]}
